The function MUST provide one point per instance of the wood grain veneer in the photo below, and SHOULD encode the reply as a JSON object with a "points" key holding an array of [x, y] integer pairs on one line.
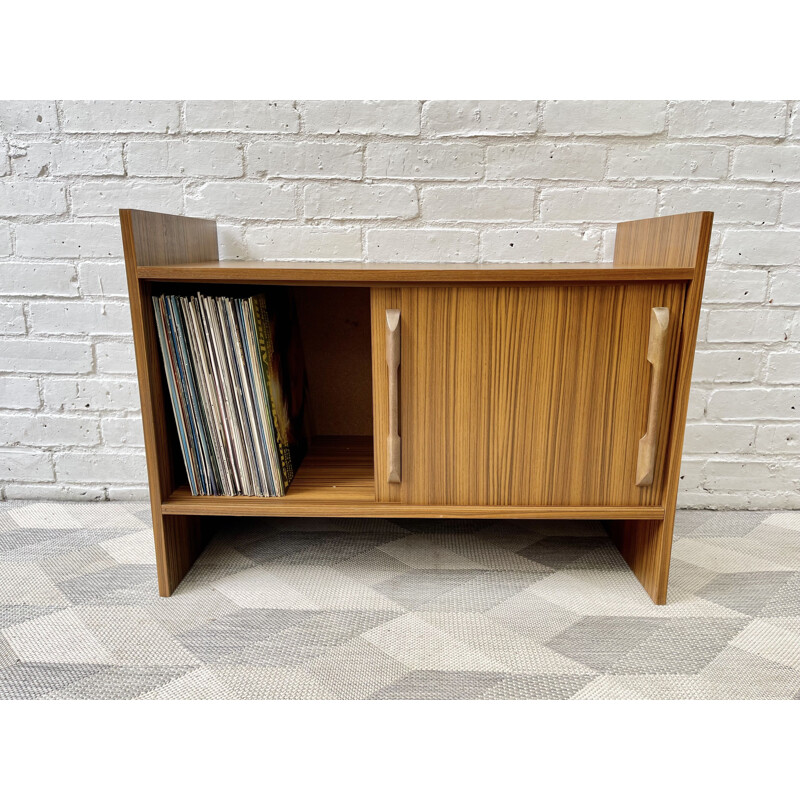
{"points": [[523, 396]]}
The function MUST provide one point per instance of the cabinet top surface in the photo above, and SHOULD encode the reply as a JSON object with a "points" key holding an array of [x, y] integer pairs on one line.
{"points": [[364, 274]]}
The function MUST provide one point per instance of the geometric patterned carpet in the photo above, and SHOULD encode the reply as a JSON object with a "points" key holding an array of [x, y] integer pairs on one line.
{"points": [[394, 609]]}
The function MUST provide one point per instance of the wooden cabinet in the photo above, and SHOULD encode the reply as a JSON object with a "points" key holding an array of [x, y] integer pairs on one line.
{"points": [[538, 391]]}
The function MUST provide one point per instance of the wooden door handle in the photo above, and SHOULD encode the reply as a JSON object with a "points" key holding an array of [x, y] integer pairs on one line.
{"points": [[657, 356], [393, 362]]}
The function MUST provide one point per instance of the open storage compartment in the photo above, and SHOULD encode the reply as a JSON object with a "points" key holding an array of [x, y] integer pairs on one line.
{"points": [[334, 327]]}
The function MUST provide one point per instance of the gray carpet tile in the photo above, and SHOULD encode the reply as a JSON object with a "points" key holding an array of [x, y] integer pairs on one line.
{"points": [[558, 552], [119, 583], [538, 687], [25, 681], [394, 609], [600, 642], [681, 646], [118, 683], [439, 685], [745, 592], [420, 586]]}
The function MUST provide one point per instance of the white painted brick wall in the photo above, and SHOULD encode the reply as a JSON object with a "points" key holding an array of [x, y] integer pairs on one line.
{"points": [[410, 181]]}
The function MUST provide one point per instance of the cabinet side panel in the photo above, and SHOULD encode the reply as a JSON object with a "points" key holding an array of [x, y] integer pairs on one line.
{"points": [[168, 239], [147, 236], [678, 241]]}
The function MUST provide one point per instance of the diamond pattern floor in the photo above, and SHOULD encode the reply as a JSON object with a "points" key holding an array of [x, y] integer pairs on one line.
{"points": [[394, 609]]}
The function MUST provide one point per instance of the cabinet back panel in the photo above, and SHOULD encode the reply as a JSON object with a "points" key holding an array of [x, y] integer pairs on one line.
{"points": [[523, 395], [335, 330]]}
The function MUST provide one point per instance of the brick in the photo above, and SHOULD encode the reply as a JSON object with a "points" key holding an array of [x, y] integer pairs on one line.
{"points": [[728, 118], [41, 491], [702, 325], [761, 247], [304, 243], [243, 200], [604, 117], [478, 203], [114, 357], [597, 204], [103, 279], [92, 157], [123, 432], [735, 286], [257, 116], [185, 158], [794, 121], [103, 468], [305, 159], [44, 431], [12, 318], [726, 366], [784, 289], [28, 116], [762, 162], [692, 474], [42, 278], [719, 438], [32, 198], [4, 166], [230, 240], [120, 116], [533, 245], [778, 439], [91, 394], [790, 210], [25, 465], [5, 239], [106, 198], [80, 317], [390, 117], [18, 392], [783, 368], [747, 205], [743, 475], [668, 161], [422, 245], [45, 355], [697, 404], [129, 493], [761, 326], [755, 403], [360, 201], [555, 162], [480, 117], [714, 247], [730, 501], [424, 160], [69, 240]]}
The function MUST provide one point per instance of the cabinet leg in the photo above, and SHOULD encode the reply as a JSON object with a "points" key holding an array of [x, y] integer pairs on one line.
{"points": [[646, 545], [179, 541]]}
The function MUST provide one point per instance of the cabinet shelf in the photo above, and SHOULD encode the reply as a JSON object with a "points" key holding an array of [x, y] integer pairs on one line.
{"points": [[336, 479], [359, 274]]}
